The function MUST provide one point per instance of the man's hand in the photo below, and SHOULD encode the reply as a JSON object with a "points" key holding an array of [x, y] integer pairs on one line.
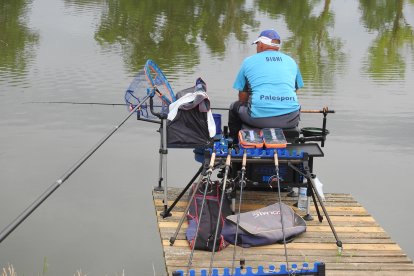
{"points": [[243, 96]]}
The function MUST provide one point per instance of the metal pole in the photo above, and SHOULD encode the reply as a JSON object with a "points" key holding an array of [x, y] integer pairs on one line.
{"points": [[227, 168], [242, 184], [164, 165], [159, 188], [276, 159], [18, 220]]}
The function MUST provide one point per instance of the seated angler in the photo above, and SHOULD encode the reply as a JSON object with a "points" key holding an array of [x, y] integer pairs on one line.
{"points": [[267, 83]]}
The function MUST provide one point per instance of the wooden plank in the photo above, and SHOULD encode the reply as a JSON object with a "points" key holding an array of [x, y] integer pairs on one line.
{"points": [[309, 246], [176, 215], [309, 228], [316, 253], [367, 248], [345, 210]]}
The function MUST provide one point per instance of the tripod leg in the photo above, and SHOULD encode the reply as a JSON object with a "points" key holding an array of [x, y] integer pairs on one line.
{"points": [[338, 242], [320, 217], [167, 213], [308, 216], [310, 177], [190, 201]]}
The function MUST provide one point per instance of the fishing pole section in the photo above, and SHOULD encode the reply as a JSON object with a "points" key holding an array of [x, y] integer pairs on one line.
{"points": [[52, 188]]}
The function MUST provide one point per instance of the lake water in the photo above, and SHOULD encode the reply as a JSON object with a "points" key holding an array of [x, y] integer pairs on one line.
{"points": [[356, 57]]}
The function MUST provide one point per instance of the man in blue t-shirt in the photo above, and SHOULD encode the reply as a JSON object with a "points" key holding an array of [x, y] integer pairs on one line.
{"points": [[267, 83]]}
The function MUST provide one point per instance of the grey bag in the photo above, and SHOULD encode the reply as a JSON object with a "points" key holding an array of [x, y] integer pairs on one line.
{"points": [[263, 226]]}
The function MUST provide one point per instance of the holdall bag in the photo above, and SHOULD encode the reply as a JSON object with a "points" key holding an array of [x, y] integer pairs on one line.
{"points": [[263, 226]]}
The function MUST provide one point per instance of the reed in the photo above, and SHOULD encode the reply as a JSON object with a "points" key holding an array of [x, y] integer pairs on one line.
{"points": [[79, 273], [9, 271]]}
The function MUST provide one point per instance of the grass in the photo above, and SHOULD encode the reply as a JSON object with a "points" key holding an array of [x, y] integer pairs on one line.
{"points": [[9, 271]]}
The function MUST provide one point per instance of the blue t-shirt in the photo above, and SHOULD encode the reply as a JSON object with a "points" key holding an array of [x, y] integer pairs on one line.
{"points": [[272, 77]]}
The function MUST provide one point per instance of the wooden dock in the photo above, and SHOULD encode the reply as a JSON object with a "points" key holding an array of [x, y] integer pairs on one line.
{"points": [[367, 248]]}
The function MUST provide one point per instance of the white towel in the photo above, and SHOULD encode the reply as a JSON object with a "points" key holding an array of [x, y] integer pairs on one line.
{"points": [[188, 98]]}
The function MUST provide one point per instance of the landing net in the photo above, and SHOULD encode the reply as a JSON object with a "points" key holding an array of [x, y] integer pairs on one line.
{"points": [[150, 80]]}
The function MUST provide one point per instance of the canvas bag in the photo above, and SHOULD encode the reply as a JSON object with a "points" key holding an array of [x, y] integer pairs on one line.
{"points": [[263, 226]]}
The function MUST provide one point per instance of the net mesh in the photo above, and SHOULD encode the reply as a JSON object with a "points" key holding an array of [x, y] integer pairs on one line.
{"points": [[148, 80]]}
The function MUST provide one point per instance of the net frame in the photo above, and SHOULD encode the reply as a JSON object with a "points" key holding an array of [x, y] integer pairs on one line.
{"points": [[149, 80]]}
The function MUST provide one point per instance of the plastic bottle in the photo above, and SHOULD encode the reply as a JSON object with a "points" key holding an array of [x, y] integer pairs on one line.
{"points": [[303, 198], [223, 142], [319, 190]]}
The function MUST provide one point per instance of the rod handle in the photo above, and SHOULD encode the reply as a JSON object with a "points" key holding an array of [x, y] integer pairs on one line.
{"points": [[228, 159], [212, 159], [244, 158], [276, 158], [324, 110]]}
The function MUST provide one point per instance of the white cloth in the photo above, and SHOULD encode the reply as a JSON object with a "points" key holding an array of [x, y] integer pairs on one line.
{"points": [[189, 98]]}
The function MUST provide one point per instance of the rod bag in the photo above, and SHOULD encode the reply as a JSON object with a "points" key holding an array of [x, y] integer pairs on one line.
{"points": [[208, 219]]}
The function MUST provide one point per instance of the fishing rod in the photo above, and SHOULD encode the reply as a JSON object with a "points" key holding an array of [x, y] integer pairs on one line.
{"points": [[276, 160], [209, 172], [242, 184], [227, 168], [324, 110], [19, 219], [86, 103]]}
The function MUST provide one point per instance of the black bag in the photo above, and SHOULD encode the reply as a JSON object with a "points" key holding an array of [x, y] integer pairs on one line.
{"points": [[263, 226], [208, 220], [189, 129]]}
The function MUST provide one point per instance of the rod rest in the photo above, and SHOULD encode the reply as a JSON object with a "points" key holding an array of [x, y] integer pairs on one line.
{"points": [[222, 151], [309, 139], [318, 269]]}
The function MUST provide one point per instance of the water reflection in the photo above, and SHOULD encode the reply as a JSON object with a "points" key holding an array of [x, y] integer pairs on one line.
{"points": [[16, 40], [319, 54], [386, 55], [171, 31]]}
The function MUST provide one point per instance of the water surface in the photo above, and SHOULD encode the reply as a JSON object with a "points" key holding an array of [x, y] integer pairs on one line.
{"points": [[356, 57]]}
